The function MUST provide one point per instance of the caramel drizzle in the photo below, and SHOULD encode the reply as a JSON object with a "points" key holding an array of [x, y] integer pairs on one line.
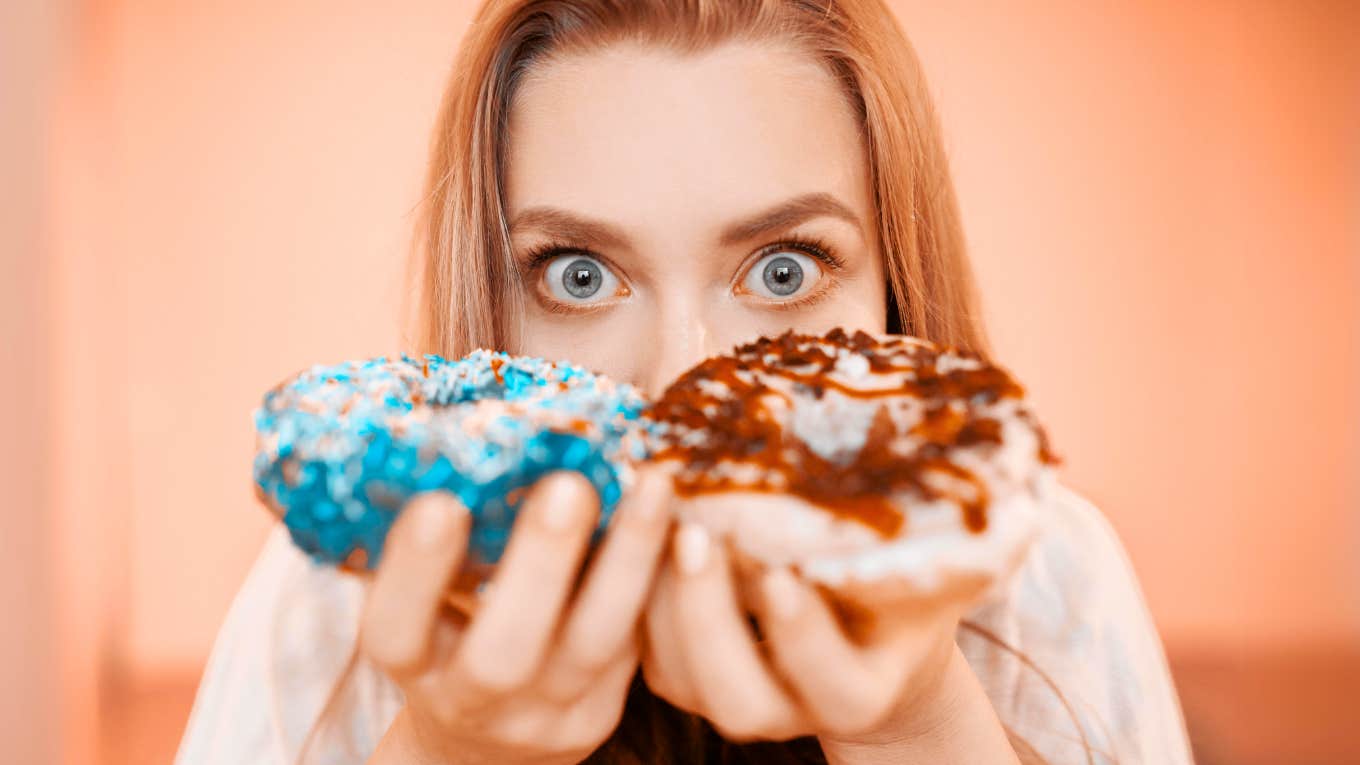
{"points": [[742, 429]]}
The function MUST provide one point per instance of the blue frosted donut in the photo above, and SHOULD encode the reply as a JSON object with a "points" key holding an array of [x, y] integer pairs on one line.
{"points": [[341, 448]]}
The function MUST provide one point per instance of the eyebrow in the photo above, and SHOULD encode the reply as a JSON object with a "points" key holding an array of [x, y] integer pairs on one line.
{"points": [[567, 225]]}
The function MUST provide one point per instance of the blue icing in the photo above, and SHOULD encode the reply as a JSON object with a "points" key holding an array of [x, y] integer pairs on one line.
{"points": [[343, 447]]}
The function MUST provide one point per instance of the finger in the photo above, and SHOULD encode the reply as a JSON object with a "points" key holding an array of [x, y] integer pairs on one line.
{"points": [[738, 692], [431, 686], [833, 680], [590, 719], [506, 640], [421, 554], [663, 662], [601, 621]]}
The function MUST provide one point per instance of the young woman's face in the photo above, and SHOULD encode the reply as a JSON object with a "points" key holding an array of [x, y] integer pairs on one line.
{"points": [[665, 208]]}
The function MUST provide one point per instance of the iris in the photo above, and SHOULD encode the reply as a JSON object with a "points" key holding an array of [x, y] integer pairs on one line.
{"points": [[582, 278], [783, 276]]}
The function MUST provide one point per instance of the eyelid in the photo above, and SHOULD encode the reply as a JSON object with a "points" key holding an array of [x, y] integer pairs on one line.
{"points": [[535, 265], [538, 255], [811, 247]]}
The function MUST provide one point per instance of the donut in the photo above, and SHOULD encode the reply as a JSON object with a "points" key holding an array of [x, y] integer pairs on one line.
{"points": [[878, 469], [340, 448]]}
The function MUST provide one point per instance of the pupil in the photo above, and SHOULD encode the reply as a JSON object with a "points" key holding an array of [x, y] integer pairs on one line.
{"points": [[783, 276], [582, 278]]}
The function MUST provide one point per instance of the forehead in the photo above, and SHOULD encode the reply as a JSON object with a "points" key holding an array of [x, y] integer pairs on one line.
{"points": [[628, 132]]}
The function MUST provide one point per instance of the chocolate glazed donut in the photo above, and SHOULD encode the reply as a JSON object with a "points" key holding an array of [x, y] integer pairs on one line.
{"points": [[915, 468]]}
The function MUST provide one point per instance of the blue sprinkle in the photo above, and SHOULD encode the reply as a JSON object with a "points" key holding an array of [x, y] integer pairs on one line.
{"points": [[370, 434]]}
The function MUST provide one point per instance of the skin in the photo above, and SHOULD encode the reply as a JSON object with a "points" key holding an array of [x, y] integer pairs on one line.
{"points": [[650, 165]]}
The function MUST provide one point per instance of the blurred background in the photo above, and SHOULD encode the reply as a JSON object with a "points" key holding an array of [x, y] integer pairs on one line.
{"points": [[199, 198]]}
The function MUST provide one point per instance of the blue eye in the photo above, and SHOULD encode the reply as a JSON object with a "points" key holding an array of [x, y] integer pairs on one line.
{"points": [[783, 274], [579, 279], [582, 278]]}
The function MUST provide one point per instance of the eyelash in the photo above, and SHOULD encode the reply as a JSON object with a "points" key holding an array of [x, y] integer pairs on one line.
{"points": [[813, 247], [534, 259]]}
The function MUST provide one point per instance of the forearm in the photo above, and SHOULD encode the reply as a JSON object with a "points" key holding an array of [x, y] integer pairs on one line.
{"points": [[958, 726]]}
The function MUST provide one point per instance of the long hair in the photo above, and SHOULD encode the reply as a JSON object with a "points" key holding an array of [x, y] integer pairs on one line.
{"points": [[462, 270]]}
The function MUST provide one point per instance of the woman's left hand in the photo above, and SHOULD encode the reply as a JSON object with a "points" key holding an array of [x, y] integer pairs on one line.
{"points": [[888, 684]]}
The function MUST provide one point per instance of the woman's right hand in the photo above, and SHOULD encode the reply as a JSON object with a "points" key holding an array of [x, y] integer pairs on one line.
{"points": [[539, 674]]}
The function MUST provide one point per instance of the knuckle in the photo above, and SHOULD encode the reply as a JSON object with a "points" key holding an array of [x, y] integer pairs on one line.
{"points": [[492, 678], [395, 651], [586, 738], [590, 655], [377, 646], [397, 657], [737, 731], [517, 731], [661, 684], [746, 722], [589, 723], [656, 678], [529, 729], [564, 684]]}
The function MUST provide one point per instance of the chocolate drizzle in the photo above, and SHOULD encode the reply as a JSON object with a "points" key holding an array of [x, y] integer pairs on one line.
{"points": [[722, 413]]}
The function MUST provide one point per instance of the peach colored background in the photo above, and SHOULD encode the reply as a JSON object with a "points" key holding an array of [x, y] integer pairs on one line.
{"points": [[1162, 198]]}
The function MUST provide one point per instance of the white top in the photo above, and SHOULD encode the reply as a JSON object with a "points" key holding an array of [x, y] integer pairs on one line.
{"points": [[1074, 609]]}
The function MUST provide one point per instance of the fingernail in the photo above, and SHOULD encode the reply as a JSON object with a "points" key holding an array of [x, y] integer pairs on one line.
{"points": [[782, 593], [691, 548]]}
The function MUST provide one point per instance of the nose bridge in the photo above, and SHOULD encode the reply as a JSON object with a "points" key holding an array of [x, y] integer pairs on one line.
{"points": [[680, 337]]}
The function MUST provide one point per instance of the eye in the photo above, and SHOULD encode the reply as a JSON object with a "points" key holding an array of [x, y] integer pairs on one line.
{"points": [[782, 274], [580, 279]]}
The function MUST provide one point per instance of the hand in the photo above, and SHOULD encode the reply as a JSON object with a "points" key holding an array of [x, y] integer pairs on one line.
{"points": [[535, 675], [883, 685]]}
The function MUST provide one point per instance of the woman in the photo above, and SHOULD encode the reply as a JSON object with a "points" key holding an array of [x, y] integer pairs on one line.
{"points": [[635, 185]]}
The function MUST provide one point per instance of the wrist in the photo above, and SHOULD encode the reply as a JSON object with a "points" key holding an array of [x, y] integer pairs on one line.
{"points": [[412, 741], [402, 744], [952, 720]]}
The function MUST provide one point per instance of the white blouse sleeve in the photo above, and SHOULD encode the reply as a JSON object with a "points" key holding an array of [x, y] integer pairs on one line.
{"points": [[284, 646], [1087, 681]]}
